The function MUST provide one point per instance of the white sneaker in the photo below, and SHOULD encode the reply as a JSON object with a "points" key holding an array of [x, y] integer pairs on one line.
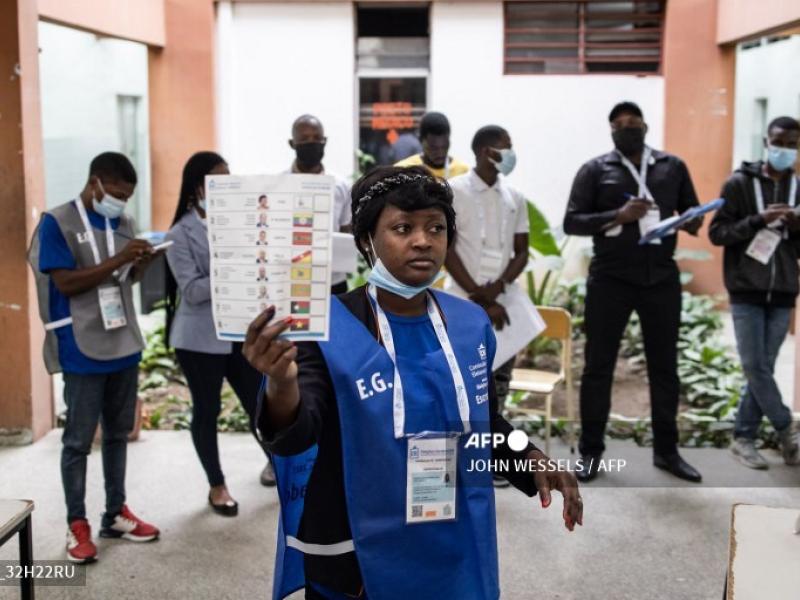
{"points": [[787, 440], [745, 451]]}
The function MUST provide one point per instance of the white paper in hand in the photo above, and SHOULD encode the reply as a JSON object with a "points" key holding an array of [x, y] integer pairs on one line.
{"points": [[526, 324]]}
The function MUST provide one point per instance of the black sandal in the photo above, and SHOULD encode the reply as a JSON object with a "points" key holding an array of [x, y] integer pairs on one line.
{"points": [[229, 509]]}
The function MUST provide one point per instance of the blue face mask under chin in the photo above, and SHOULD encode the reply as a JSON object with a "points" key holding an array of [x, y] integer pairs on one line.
{"points": [[382, 278]]}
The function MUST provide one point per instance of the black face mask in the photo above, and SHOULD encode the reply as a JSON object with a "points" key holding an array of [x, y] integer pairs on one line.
{"points": [[310, 155], [629, 140]]}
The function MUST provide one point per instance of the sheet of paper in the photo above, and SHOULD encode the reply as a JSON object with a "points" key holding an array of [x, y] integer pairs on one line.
{"points": [[345, 255], [526, 324], [271, 244]]}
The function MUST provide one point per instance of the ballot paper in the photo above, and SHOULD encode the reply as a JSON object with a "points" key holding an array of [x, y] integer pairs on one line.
{"points": [[271, 244], [526, 324]]}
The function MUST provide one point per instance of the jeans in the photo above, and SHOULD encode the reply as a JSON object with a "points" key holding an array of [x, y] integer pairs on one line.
{"points": [[609, 304], [109, 398], [204, 374], [760, 331]]}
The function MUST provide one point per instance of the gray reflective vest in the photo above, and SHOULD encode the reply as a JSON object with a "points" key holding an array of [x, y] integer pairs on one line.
{"points": [[86, 321]]}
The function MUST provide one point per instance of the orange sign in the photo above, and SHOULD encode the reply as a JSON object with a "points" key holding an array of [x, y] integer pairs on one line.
{"points": [[392, 115]]}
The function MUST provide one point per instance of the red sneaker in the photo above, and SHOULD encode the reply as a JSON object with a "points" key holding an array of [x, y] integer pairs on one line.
{"points": [[128, 526], [80, 548]]}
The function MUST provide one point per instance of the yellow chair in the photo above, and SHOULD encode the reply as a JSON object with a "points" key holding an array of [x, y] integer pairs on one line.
{"points": [[543, 383]]}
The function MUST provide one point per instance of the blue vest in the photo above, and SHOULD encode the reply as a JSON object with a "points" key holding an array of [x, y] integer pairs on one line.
{"points": [[444, 559]]}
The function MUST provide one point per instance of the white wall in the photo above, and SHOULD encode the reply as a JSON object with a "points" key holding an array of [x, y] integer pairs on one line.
{"points": [[770, 72], [82, 76], [556, 122], [282, 60]]}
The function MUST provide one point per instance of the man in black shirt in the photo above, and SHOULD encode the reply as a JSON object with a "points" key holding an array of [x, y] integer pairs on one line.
{"points": [[615, 198]]}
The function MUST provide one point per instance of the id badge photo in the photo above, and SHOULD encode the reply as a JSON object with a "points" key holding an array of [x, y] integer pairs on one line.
{"points": [[764, 245], [111, 307], [431, 473]]}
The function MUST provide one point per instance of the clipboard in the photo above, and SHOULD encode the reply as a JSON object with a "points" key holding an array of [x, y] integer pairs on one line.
{"points": [[670, 225]]}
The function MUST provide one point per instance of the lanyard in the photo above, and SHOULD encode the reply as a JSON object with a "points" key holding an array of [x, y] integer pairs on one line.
{"points": [[641, 176], [90, 233], [760, 201], [398, 402], [760, 193]]}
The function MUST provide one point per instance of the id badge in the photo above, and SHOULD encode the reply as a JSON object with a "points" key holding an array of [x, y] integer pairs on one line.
{"points": [[431, 479], [764, 245], [111, 308], [650, 220], [491, 266]]}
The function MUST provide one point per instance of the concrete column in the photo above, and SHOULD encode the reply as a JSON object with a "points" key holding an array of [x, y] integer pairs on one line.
{"points": [[699, 77], [181, 100], [26, 408]]}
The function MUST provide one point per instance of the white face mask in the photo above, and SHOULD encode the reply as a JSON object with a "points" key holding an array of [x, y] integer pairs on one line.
{"points": [[109, 207], [507, 162]]}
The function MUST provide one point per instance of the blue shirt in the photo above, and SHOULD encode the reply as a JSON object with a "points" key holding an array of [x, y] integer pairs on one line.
{"points": [[414, 337], [54, 253]]}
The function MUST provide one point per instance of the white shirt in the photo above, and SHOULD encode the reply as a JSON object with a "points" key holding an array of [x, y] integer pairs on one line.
{"points": [[341, 213], [486, 217]]}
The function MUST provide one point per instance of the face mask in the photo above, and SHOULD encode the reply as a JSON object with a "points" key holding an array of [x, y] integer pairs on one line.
{"points": [[109, 207], [507, 162], [382, 278], [629, 140], [781, 159], [310, 155]]}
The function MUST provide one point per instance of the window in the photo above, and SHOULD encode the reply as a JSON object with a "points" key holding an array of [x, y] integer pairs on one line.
{"points": [[584, 36]]}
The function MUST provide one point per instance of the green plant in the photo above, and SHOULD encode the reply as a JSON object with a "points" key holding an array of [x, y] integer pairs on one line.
{"points": [[543, 247]]}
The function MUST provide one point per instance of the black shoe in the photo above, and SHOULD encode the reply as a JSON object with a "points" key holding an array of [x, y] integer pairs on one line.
{"points": [[590, 467], [229, 509], [673, 463], [500, 482], [268, 476]]}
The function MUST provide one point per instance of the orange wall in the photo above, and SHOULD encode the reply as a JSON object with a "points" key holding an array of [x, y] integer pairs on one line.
{"points": [[699, 78], [741, 19], [181, 100], [25, 401], [136, 20]]}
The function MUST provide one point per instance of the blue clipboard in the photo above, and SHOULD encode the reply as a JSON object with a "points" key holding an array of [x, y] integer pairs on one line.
{"points": [[670, 225]]}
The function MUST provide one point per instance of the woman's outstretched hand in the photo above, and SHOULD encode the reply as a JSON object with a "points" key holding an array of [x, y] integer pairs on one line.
{"points": [[549, 477]]}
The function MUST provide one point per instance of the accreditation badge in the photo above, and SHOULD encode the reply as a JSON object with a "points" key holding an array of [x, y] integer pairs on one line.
{"points": [[431, 479], [764, 245], [111, 308], [650, 220]]}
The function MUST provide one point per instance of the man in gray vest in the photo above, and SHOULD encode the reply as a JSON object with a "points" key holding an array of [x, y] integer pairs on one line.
{"points": [[86, 302]]}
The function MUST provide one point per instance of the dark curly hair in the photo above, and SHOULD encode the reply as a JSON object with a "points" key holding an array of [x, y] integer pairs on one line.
{"points": [[425, 191]]}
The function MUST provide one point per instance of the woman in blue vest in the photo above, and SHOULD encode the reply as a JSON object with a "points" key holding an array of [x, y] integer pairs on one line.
{"points": [[375, 434], [205, 360]]}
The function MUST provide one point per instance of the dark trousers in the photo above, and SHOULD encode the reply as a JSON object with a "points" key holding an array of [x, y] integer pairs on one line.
{"points": [[109, 398], [609, 305], [502, 381], [204, 374]]}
